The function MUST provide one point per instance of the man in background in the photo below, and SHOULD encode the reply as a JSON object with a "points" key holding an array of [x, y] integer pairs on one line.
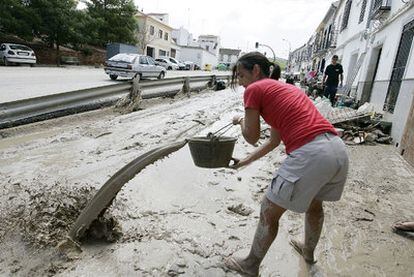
{"points": [[332, 76]]}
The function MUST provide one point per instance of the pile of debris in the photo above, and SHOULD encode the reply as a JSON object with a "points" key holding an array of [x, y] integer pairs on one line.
{"points": [[356, 126], [368, 131]]}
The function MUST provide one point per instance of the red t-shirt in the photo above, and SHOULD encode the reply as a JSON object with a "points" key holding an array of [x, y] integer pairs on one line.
{"points": [[287, 109]]}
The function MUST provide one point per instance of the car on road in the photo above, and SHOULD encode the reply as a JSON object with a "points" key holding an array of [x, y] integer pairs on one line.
{"points": [[180, 65], [166, 63], [131, 65], [16, 53], [191, 66]]}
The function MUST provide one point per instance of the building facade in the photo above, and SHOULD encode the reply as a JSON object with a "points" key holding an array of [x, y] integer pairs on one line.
{"points": [[199, 56], [155, 36], [210, 43], [228, 56], [374, 42]]}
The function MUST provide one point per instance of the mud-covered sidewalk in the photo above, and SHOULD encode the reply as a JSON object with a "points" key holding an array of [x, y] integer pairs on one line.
{"points": [[177, 219]]}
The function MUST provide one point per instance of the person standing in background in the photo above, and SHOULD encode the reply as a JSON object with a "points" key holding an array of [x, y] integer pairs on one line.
{"points": [[332, 76]]}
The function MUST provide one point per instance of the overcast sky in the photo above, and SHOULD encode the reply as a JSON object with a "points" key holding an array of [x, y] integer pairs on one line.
{"points": [[240, 23]]}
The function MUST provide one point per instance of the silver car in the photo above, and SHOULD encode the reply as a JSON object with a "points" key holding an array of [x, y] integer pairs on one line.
{"points": [[16, 53], [131, 65]]}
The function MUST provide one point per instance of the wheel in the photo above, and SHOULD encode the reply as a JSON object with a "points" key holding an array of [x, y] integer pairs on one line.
{"points": [[161, 76], [169, 68], [113, 77], [6, 62]]}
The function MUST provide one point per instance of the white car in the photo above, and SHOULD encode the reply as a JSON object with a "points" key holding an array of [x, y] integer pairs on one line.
{"points": [[166, 63], [16, 53], [179, 65], [131, 65]]}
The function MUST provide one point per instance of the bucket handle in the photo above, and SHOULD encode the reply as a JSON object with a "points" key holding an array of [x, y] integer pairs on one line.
{"points": [[235, 162], [214, 135]]}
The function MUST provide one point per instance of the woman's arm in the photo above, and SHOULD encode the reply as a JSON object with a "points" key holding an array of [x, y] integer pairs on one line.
{"points": [[262, 150], [250, 125]]}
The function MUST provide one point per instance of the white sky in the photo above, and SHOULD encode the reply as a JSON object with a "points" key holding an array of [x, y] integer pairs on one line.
{"points": [[240, 23]]}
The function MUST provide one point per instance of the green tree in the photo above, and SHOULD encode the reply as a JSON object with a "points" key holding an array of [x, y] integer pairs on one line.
{"points": [[57, 26], [112, 21], [18, 18]]}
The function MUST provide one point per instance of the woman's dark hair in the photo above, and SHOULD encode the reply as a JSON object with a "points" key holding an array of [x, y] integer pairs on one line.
{"points": [[250, 59]]}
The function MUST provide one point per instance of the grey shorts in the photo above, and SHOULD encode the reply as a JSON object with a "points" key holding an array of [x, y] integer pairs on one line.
{"points": [[317, 170]]}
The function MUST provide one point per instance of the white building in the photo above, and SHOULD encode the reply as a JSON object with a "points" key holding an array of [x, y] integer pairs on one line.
{"points": [[317, 52], [228, 56], [183, 37], [374, 42], [387, 75], [155, 36], [199, 56], [298, 60], [210, 43]]}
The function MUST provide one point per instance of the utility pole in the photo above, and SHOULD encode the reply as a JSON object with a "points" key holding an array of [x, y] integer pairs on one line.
{"points": [[290, 47], [264, 45]]}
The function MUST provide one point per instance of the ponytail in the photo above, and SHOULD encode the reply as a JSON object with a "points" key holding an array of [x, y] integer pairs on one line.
{"points": [[275, 73]]}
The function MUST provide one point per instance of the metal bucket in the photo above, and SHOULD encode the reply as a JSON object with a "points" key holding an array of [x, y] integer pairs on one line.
{"points": [[212, 152]]}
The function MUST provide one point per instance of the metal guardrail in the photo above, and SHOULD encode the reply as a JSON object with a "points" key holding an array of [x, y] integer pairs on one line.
{"points": [[51, 106]]}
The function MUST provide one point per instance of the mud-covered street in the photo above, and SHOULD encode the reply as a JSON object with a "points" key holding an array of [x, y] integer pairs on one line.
{"points": [[175, 218]]}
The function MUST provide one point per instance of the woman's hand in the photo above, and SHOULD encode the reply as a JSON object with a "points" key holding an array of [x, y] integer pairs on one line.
{"points": [[237, 163], [237, 119]]}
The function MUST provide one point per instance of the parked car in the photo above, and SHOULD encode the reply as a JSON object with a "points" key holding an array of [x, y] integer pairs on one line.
{"points": [[191, 66], [166, 63], [16, 53], [131, 65], [179, 65]]}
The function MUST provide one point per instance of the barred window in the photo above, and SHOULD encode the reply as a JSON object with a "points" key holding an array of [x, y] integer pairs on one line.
{"points": [[363, 8], [347, 11]]}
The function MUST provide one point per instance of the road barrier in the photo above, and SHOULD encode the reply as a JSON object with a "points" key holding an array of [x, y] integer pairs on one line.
{"points": [[51, 106]]}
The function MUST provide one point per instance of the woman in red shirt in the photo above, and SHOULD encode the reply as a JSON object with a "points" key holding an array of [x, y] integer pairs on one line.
{"points": [[314, 171]]}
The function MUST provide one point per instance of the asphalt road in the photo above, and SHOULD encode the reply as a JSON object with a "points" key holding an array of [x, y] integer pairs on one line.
{"points": [[20, 82]]}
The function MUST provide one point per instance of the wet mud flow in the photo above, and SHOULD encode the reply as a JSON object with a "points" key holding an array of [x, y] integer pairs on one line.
{"points": [[174, 218]]}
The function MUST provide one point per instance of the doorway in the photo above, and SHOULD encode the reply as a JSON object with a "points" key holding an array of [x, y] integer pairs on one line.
{"points": [[400, 64], [371, 74], [150, 52]]}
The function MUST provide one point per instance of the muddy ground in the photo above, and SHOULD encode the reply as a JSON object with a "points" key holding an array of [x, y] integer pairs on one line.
{"points": [[175, 218]]}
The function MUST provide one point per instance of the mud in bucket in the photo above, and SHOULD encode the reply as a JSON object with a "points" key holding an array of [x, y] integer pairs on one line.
{"points": [[212, 152]]}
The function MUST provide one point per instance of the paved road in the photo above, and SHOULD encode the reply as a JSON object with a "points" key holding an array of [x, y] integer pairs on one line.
{"points": [[19, 82]]}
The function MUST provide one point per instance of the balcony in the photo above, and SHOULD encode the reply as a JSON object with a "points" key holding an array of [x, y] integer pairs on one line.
{"points": [[380, 8]]}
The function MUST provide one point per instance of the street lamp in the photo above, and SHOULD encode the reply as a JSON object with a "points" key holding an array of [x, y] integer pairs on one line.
{"points": [[264, 45], [290, 47]]}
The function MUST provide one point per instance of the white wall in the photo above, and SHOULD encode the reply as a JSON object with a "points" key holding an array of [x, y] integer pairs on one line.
{"points": [[209, 58], [182, 36], [198, 56], [389, 38], [191, 54]]}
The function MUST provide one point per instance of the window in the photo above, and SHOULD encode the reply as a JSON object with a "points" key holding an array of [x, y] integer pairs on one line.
{"points": [[363, 8], [143, 60], [400, 66], [347, 11], [160, 33], [151, 61], [152, 30], [166, 36], [162, 53]]}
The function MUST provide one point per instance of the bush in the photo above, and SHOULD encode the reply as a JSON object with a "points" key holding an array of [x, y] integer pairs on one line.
{"points": [[87, 51]]}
